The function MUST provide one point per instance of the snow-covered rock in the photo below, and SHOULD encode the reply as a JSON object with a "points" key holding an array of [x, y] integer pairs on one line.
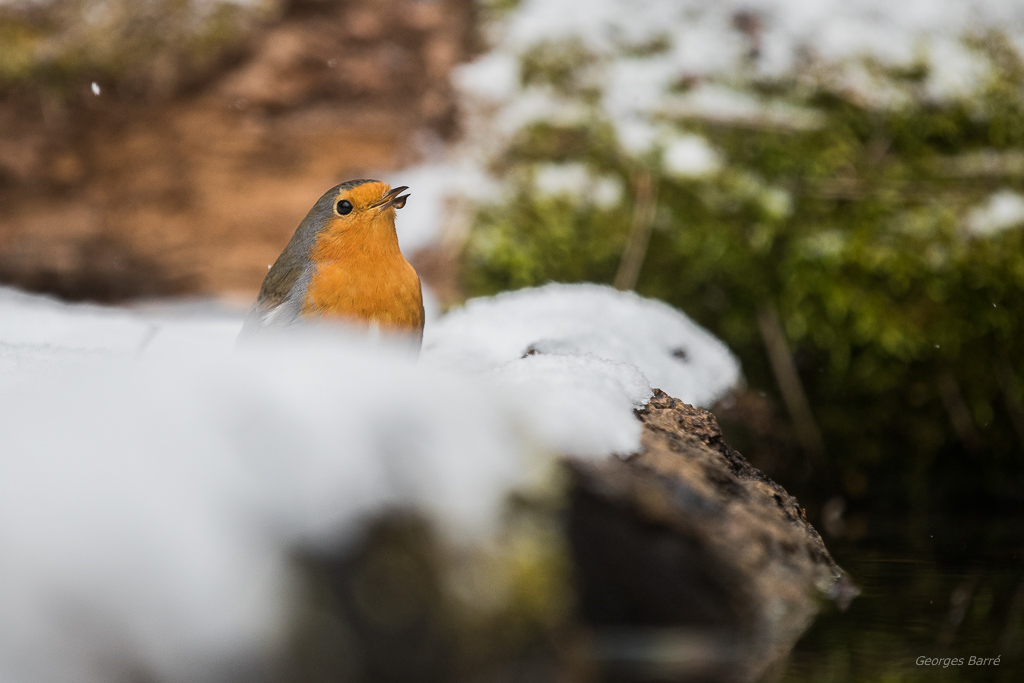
{"points": [[154, 480], [671, 351]]}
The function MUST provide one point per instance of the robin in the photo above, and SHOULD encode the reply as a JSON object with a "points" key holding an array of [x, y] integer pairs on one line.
{"points": [[343, 262]]}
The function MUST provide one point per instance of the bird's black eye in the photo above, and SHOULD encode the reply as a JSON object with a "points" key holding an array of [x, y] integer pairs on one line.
{"points": [[344, 207]]}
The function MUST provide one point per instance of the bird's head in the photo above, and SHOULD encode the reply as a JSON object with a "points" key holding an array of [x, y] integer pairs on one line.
{"points": [[358, 202], [355, 212]]}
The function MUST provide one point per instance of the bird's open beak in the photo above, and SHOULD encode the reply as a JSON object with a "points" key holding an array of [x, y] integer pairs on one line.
{"points": [[393, 198]]}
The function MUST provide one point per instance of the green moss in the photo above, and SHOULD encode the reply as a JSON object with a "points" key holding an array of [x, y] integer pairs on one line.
{"points": [[853, 230], [558, 64]]}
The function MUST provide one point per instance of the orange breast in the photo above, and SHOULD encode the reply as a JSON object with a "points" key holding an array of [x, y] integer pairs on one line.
{"points": [[360, 274], [369, 289]]}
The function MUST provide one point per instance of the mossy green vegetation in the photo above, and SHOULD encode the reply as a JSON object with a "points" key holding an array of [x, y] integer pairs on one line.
{"points": [[859, 218]]}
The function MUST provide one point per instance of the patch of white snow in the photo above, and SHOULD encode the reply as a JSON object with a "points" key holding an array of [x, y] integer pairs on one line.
{"points": [[673, 353], [1003, 210]]}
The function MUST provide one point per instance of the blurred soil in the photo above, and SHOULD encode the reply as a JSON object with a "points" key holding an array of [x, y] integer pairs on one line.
{"points": [[109, 197]]}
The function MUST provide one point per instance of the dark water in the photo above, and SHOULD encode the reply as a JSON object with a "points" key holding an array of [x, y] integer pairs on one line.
{"points": [[947, 590]]}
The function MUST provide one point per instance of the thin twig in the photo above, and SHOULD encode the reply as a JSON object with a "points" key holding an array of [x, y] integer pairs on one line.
{"points": [[1010, 386], [959, 413], [788, 379], [1009, 641], [639, 238], [959, 602]]}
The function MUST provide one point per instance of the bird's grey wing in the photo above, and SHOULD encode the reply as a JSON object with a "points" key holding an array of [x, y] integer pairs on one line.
{"points": [[278, 303]]}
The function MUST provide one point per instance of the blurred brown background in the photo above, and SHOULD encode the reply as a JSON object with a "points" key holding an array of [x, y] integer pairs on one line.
{"points": [[188, 176]]}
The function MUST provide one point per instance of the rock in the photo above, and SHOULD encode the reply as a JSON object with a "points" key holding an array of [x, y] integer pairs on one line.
{"points": [[686, 562], [689, 562]]}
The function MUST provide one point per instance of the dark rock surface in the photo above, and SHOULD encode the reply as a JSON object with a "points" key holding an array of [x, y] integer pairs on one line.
{"points": [[690, 563], [686, 563]]}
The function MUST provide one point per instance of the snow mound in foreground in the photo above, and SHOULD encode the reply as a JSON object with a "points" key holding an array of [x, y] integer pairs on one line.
{"points": [[154, 481], [503, 332], [154, 501]]}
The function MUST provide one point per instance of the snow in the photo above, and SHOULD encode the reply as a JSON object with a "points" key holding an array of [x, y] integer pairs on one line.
{"points": [[635, 134], [576, 181], [691, 156], [636, 86], [155, 479], [559, 179], [437, 187], [149, 495], [606, 191], [596, 395], [836, 29], [961, 72], [704, 41], [837, 44], [36, 322], [492, 78], [537, 104], [1002, 211], [671, 351], [725, 104]]}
